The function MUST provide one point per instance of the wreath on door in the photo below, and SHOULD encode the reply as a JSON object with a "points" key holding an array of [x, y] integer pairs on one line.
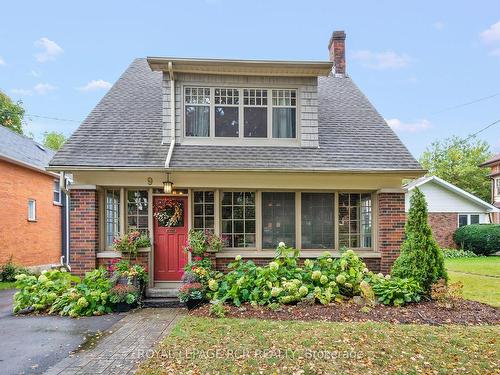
{"points": [[168, 212]]}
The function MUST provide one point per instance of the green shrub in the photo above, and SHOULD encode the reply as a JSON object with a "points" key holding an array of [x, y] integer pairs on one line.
{"points": [[282, 281], [90, 297], [482, 239], [458, 253], [9, 271], [39, 293], [396, 291], [421, 258]]}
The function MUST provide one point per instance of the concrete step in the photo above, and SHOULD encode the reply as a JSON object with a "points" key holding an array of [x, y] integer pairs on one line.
{"points": [[162, 292], [162, 302]]}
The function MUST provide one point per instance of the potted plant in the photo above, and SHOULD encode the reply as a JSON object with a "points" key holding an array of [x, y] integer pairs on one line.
{"points": [[126, 274], [124, 297], [191, 294], [200, 243], [143, 243], [127, 244]]}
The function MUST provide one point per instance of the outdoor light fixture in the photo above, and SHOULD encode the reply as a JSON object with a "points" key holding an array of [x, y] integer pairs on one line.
{"points": [[168, 185]]}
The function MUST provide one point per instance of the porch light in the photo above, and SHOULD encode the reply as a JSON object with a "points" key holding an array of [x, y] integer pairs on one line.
{"points": [[168, 185]]}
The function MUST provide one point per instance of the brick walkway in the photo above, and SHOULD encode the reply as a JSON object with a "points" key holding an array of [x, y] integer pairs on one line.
{"points": [[121, 351]]}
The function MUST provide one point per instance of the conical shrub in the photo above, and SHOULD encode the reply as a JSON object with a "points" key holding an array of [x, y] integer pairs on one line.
{"points": [[420, 258]]}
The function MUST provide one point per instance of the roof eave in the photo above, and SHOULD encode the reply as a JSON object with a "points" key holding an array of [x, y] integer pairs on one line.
{"points": [[242, 67]]}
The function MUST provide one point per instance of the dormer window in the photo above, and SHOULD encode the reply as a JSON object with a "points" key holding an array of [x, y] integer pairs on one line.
{"points": [[228, 112]]}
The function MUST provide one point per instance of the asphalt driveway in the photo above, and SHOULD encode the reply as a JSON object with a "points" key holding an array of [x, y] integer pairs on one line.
{"points": [[32, 344]]}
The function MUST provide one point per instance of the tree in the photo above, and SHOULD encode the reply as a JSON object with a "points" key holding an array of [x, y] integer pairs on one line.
{"points": [[421, 258], [53, 140], [11, 114], [457, 160]]}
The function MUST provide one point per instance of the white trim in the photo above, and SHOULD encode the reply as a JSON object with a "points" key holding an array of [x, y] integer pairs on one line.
{"points": [[108, 254], [83, 187], [421, 181], [31, 217]]}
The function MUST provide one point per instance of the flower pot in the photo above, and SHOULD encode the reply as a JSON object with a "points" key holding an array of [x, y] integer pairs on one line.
{"points": [[122, 307], [123, 280], [193, 303]]}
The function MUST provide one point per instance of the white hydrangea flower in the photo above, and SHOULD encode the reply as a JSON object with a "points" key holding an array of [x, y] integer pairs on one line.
{"points": [[281, 244]]}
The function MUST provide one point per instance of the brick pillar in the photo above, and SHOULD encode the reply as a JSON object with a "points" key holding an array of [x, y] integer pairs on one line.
{"points": [[391, 222], [84, 230]]}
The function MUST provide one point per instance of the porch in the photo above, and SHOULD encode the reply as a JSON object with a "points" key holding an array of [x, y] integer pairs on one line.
{"points": [[253, 212]]}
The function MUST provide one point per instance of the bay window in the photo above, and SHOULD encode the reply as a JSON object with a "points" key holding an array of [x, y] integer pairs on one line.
{"points": [[238, 219], [197, 111], [317, 220], [355, 220], [204, 211], [137, 210], [112, 215], [253, 113], [278, 219]]}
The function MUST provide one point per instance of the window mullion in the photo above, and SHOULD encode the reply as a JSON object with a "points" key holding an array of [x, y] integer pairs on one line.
{"points": [[269, 114], [212, 113]]}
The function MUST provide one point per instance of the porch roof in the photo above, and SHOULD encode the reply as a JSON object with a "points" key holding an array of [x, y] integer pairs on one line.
{"points": [[125, 131]]}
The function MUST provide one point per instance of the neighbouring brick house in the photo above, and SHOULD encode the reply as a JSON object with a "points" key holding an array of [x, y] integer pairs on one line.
{"points": [[256, 151], [494, 164], [449, 207], [32, 219]]}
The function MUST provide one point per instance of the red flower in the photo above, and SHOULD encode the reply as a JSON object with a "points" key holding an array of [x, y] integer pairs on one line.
{"points": [[198, 258]]}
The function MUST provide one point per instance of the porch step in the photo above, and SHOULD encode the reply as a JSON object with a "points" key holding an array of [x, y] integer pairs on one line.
{"points": [[162, 292], [162, 302]]}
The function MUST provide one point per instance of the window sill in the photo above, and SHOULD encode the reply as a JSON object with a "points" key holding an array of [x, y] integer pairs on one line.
{"points": [[303, 254], [57, 204], [32, 220], [108, 254]]}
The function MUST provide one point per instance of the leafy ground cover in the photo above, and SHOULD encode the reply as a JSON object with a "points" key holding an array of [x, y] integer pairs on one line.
{"points": [[7, 285], [243, 346], [480, 277]]}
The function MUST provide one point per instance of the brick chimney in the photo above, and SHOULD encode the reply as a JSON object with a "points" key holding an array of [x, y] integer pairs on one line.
{"points": [[337, 51]]}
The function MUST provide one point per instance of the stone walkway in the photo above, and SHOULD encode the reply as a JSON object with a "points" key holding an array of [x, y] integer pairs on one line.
{"points": [[121, 351]]}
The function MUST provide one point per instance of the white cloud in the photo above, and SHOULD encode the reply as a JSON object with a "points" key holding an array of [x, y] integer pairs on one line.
{"points": [[23, 92], [2, 61], [438, 25], [495, 52], [381, 60], [50, 50], [410, 127], [43, 88], [40, 89], [492, 34], [34, 73], [94, 85]]}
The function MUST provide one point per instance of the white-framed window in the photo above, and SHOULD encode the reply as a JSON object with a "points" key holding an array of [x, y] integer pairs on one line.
{"points": [[197, 111], [204, 210], [318, 220], [497, 184], [240, 112], [137, 210], [278, 219], [355, 220], [57, 192], [112, 215], [284, 113], [238, 219], [467, 219], [31, 210]]}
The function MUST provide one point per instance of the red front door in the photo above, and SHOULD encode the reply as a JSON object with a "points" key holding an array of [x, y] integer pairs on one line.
{"points": [[170, 239]]}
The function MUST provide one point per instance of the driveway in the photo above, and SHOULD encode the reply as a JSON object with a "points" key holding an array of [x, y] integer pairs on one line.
{"points": [[32, 344]]}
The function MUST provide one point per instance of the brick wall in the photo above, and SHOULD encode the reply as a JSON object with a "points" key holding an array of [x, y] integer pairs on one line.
{"points": [[443, 225], [84, 230], [391, 222], [142, 259], [29, 243]]}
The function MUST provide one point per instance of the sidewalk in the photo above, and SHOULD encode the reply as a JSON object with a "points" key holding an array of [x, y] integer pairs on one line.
{"points": [[120, 352]]}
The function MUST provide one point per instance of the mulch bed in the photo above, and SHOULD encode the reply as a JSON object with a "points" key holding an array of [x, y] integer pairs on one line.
{"points": [[466, 313]]}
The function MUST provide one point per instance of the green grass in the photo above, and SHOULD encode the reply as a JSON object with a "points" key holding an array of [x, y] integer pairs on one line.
{"points": [[248, 346], [483, 265], [480, 276], [7, 285]]}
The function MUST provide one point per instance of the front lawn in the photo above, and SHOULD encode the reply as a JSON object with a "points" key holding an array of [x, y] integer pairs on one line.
{"points": [[205, 345], [480, 276], [7, 285]]}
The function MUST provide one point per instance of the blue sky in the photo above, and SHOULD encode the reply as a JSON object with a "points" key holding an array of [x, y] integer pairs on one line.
{"points": [[412, 61]]}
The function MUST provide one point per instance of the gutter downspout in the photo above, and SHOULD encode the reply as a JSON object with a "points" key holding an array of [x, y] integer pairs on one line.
{"points": [[172, 115]]}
